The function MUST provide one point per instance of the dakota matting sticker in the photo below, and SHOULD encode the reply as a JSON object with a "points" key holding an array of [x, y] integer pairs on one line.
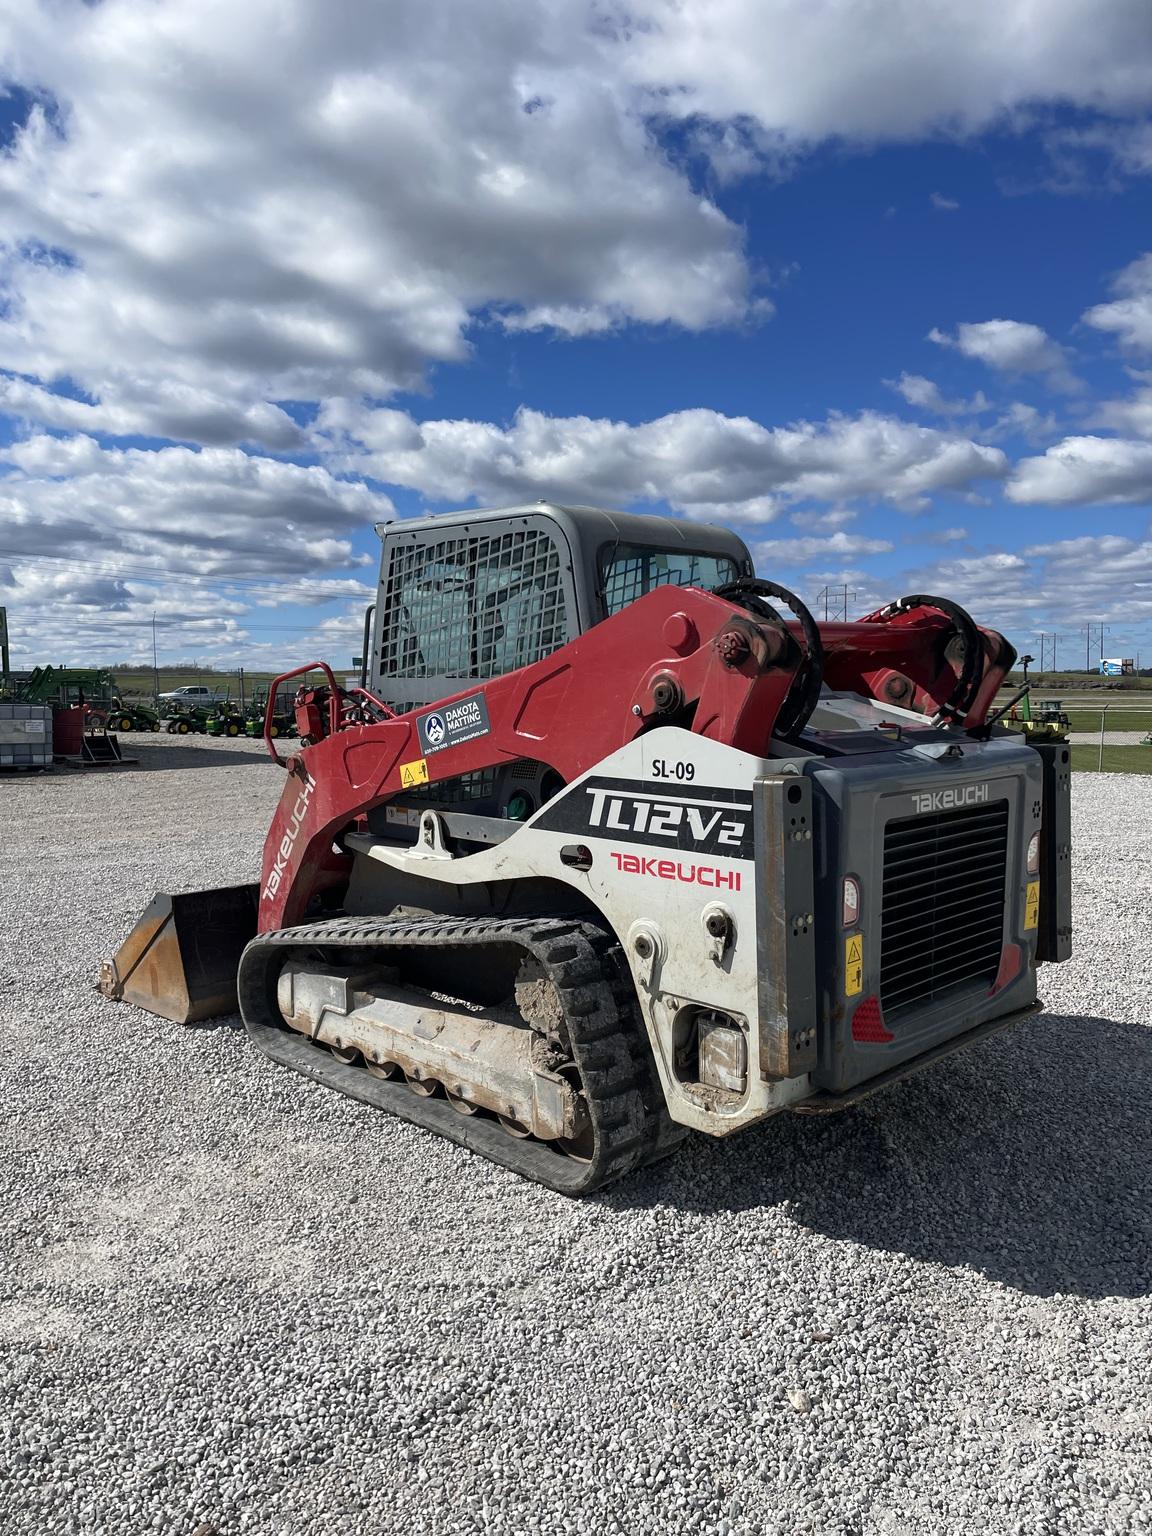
{"points": [[454, 724]]}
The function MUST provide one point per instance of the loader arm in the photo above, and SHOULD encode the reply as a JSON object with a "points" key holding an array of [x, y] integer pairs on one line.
{"points": [[678, 656]]}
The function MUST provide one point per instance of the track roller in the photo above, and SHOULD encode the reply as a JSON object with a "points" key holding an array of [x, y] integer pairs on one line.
{"points": [[581, 1070]]}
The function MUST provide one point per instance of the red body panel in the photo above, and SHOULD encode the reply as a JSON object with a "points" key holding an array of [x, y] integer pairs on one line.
{"points": [[678, 655]]}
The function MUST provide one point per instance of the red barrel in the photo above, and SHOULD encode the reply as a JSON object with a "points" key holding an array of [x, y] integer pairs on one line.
{"points": [[68, 731]]}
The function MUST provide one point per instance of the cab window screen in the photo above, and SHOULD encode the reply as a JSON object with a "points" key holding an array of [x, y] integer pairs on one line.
{"points": [[472, 605], [628, 571]]}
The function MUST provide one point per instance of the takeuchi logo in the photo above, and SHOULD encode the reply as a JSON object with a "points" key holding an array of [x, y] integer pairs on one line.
{"points": [[288, 841], [951, 799]]}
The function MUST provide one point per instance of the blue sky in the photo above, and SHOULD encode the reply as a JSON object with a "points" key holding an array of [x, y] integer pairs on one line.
{"points": [[871, 285]]}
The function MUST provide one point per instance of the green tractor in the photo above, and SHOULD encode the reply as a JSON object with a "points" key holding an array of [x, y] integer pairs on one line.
{"points": [[1049, 722], [1046, 722]]}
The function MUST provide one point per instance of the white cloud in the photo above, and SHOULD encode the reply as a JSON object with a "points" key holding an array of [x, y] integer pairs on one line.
{"points": [[1126, 148], [887, 70], [1053, 586], [944, 204], [167, 410], [1009, 346], [216, 209], [1086, 471], [837, 517], [1128, 316], [700, 462], [165, 511], [926, 395], [1133, 415], [286, 200], [770, 554], [1024, 421]]}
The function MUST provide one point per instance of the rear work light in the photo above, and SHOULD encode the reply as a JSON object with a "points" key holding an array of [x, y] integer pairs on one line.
{"points": [[1034, 854], [850, 906]]}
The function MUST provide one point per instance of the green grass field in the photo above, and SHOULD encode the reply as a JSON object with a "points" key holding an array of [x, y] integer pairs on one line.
{"points": [[140, 684], [1119, 719], [1116, 759]]}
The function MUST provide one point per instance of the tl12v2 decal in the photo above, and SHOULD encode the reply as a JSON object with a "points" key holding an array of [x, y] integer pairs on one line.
{"points": [[682, 818]]}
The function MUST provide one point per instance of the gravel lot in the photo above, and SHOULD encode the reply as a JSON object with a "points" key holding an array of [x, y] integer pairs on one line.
{"points": [[232, 1302]]}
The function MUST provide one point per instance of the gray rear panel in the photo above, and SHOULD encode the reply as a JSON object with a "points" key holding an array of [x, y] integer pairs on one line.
{"points": [[939, 849]]}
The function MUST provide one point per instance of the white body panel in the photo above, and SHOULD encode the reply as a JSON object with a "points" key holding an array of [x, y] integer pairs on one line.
{"points": [[671, 842]]}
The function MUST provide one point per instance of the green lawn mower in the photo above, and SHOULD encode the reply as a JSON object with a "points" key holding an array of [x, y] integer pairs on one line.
{"points": [[187, 721], [225, 720], [132, 717], [283, 721], [282, 725]]}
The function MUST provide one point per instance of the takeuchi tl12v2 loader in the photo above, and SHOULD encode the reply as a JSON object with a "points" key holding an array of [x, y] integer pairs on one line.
{"points": [[614, 841]]}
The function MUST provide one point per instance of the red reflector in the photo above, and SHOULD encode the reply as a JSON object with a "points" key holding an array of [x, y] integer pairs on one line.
{"points": [[868, 1026], [1011, 962]]}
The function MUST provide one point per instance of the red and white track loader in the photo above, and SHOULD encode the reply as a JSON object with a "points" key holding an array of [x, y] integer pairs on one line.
{"points": [[616, 842]]}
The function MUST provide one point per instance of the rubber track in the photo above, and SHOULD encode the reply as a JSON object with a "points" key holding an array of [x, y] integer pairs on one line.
{"points": [[631, 1126]]}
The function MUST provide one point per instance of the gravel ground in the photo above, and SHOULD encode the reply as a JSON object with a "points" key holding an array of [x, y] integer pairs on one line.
{"points": [[233, 1302]]}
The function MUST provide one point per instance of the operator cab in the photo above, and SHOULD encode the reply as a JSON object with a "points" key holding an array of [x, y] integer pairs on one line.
{"points": [[466, 596]]}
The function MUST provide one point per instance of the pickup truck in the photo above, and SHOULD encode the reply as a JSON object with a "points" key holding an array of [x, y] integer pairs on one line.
{"points": [[192, 694]]}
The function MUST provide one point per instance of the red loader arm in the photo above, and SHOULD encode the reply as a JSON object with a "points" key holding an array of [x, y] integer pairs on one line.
{"points": [[678, 656]]}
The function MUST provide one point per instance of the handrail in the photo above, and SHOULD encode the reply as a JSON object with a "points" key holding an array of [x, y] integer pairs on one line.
{"points": [[336, 703], [274, 689]]}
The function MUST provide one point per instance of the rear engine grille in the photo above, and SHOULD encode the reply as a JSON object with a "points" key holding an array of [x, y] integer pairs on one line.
{"points": [[942, 920]]}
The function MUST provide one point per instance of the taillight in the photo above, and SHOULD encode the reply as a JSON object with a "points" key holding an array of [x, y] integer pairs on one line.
{"points": [[1034, 854], [868, 1027], [850, 904]]}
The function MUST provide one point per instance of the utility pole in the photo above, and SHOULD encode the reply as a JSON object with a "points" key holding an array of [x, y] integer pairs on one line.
{"points": [[1050, 640], [155, 665], [835, 600], [1088, 628]]}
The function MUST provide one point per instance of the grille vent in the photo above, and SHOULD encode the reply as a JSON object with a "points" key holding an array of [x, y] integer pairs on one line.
{"points": [[942, 920]]}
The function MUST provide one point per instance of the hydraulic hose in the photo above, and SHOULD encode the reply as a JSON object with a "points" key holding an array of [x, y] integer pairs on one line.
{"points": [[804, 694], [963, 695]]}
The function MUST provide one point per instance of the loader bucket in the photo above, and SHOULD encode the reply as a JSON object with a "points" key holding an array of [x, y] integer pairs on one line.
{"points": [[180, 960]]}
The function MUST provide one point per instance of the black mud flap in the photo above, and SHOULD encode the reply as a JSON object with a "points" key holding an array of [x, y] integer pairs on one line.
{"points": [[181, 959]]}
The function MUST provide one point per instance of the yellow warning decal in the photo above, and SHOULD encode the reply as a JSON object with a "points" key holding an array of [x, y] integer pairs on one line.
{"points": [[415, 773], [853, 965], [1032, 905]]}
